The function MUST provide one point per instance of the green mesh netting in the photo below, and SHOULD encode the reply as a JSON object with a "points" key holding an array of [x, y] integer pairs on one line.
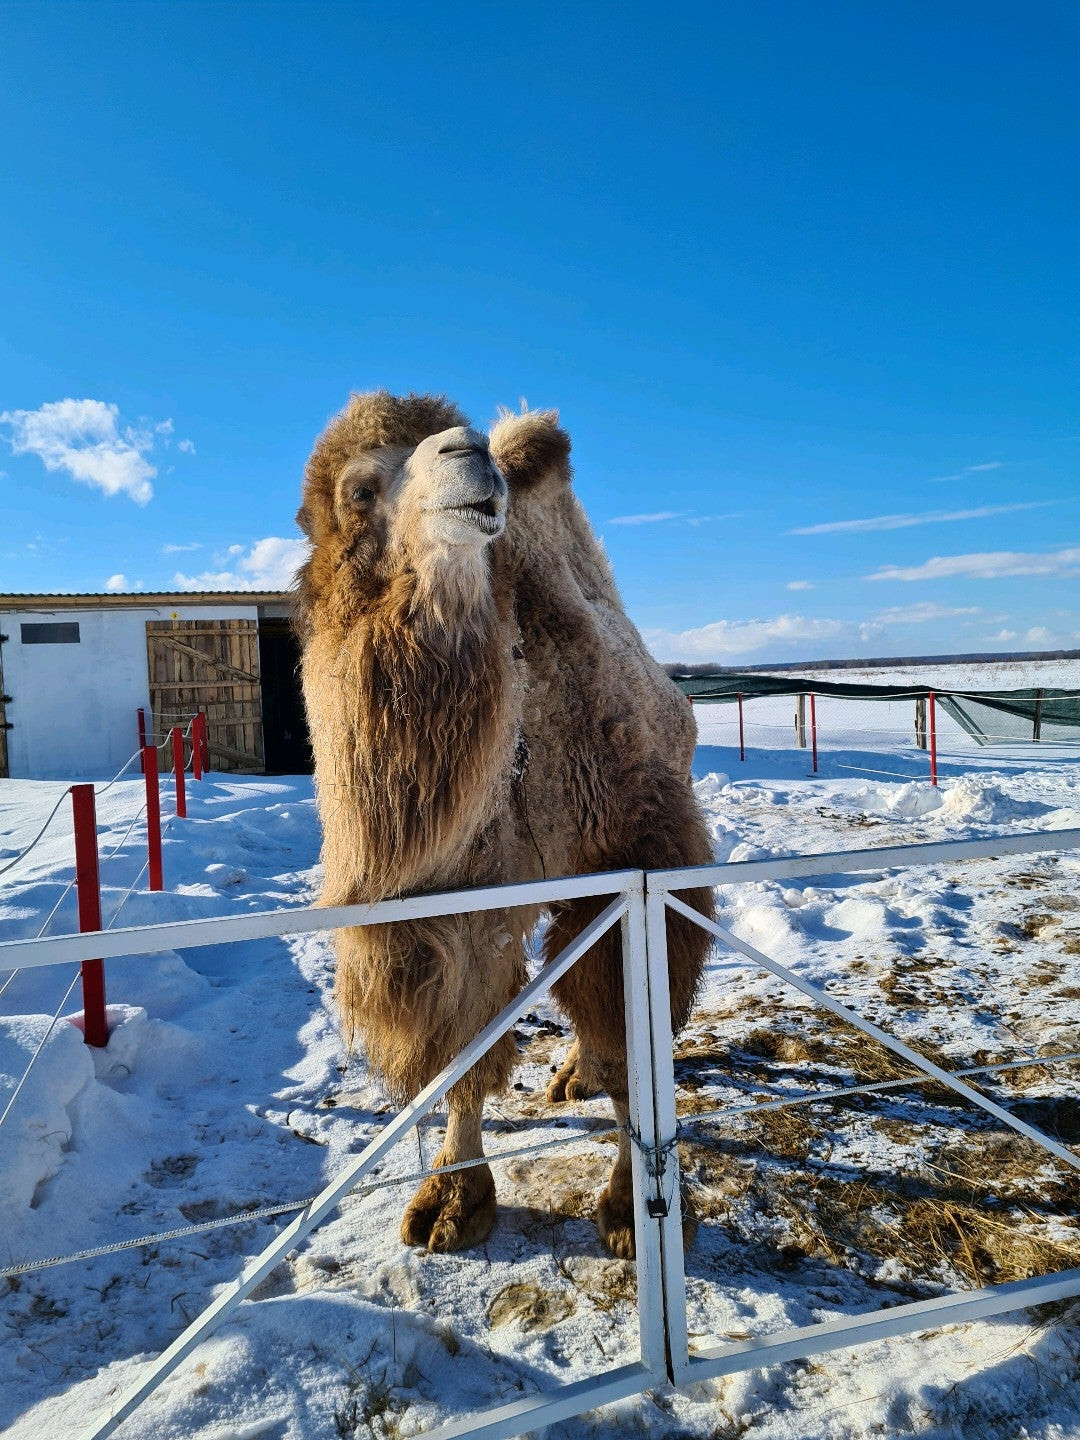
{"points": [[995, 717]]}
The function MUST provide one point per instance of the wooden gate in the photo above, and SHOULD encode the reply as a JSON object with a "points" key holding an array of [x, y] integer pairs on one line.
{"points": [[213, 666]]}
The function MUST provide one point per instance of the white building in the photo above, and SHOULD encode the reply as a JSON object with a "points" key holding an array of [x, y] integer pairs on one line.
{"points": [[76, 669]]}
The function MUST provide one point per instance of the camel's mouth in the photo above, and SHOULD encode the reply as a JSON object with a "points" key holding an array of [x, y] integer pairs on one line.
{"points": [[484, 514]]}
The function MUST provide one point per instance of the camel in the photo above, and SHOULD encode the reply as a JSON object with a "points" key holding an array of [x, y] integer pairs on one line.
{"points": [[482, 711]]}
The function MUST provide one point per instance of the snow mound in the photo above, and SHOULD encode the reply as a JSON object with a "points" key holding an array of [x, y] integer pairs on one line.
{"points": [[37, 1132]]}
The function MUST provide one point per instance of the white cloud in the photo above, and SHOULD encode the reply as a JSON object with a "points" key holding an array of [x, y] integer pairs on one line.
{"points": [[187, 446], [903, 522], [922, 613], [1004, 635], [1038, 635], [119, 583], [966, 471], [799, 585], [83, 438], [991, 565], [268, 564], [164, 427], [648, 519], [726, 638], [180, 549], [792, 636]]}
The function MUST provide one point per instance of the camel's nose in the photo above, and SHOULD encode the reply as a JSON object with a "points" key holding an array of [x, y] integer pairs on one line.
{"points": [[462, 440]]}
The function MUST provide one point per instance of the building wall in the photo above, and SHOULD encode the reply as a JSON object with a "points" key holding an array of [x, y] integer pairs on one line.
{"points": [[73, 705]]}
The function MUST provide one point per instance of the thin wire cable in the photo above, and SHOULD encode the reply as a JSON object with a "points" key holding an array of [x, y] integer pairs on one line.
{"points": [[101, 790], [128, 893], [843, 1092], [22, 856], [268, 1211], [41, 1046]]}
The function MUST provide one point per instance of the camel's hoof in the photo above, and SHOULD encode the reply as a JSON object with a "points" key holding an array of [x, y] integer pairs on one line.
{"points": [[568, 1082], [451, 1212], [615, 1222]]}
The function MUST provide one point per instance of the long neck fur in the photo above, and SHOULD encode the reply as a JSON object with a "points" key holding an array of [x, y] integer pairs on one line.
{"points": [[415, 718]]}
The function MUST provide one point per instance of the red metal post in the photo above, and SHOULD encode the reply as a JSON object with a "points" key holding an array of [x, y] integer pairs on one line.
{"points": [[88, 888], [933, 741], [178, 771], [742, 733], [204, 741], [196, 750], [153, 817], [141, 716], [813, 729]]}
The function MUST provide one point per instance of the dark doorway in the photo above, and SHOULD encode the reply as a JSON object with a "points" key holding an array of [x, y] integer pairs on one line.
{"points": [[285, 731]]}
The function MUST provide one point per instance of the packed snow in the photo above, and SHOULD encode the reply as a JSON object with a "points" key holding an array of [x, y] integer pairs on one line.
{"points": [[225, 1089]]}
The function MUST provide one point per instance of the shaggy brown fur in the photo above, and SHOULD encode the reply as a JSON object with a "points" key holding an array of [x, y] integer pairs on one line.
{"points": [[429, 674]]}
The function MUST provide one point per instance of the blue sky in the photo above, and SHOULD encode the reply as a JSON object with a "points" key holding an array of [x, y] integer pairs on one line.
{"points": [[782, 267]]}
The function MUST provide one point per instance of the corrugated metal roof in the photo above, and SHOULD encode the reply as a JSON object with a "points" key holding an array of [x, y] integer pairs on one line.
{"points": [[89, 600]]}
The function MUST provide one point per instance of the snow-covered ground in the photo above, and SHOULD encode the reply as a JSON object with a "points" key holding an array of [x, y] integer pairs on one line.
{"points": [[225, 1088]]}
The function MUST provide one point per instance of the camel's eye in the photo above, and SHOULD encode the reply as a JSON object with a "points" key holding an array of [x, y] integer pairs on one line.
{"points": [[361, 494]]}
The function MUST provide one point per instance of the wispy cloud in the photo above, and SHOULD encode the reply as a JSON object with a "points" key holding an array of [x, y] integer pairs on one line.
{"points": [[653, 519], [268, 564], [659, 517], [180, 549], [967, 471], [187, 446], [84, 438], [905, 521], [118, 583], [922, 613], [799, 585], [990, 565]]}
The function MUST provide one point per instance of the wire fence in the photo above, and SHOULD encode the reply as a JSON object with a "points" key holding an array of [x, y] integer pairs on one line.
{"points": [[904, 737], [88, 860]]}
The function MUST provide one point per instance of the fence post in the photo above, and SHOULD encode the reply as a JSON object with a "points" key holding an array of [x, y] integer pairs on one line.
{"points": [[800, 722], [140, 716], [178, 771], [920, 722], [88, 889], [642, 1120], [153, 817], [933, 739], [742, 733], [813, 728], [1036, 725], [666, 1133], [196, 750]]}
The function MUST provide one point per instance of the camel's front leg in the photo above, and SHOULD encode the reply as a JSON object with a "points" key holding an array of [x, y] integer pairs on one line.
{"points": [[452, 1212], [615, 1207]]}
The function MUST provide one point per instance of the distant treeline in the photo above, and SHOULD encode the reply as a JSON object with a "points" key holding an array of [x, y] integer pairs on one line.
{"points": [[890, 661]]}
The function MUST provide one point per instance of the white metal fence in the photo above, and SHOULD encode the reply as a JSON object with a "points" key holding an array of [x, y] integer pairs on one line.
{"points": [[638, 902]]}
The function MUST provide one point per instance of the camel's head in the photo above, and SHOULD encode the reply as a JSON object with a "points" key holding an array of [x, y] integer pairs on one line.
{"points": [[399, 483]]}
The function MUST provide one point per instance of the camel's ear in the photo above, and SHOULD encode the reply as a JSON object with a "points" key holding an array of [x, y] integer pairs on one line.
{"points": [[528, 446]]}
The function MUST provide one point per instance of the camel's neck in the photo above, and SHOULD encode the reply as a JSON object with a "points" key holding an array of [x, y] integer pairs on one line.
{"points": [[414, 719]]}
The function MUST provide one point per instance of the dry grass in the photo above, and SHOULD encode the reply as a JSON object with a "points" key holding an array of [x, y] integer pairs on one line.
{"points": [[967, 1204]]}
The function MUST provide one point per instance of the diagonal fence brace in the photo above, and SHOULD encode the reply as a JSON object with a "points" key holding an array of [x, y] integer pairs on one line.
{"points": [[820, 997]]}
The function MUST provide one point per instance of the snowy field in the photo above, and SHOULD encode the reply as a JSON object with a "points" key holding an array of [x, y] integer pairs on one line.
{"points": [[224, 1088]]}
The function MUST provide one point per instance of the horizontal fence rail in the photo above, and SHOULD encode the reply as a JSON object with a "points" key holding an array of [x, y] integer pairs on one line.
{"points": [[639, 903]]}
